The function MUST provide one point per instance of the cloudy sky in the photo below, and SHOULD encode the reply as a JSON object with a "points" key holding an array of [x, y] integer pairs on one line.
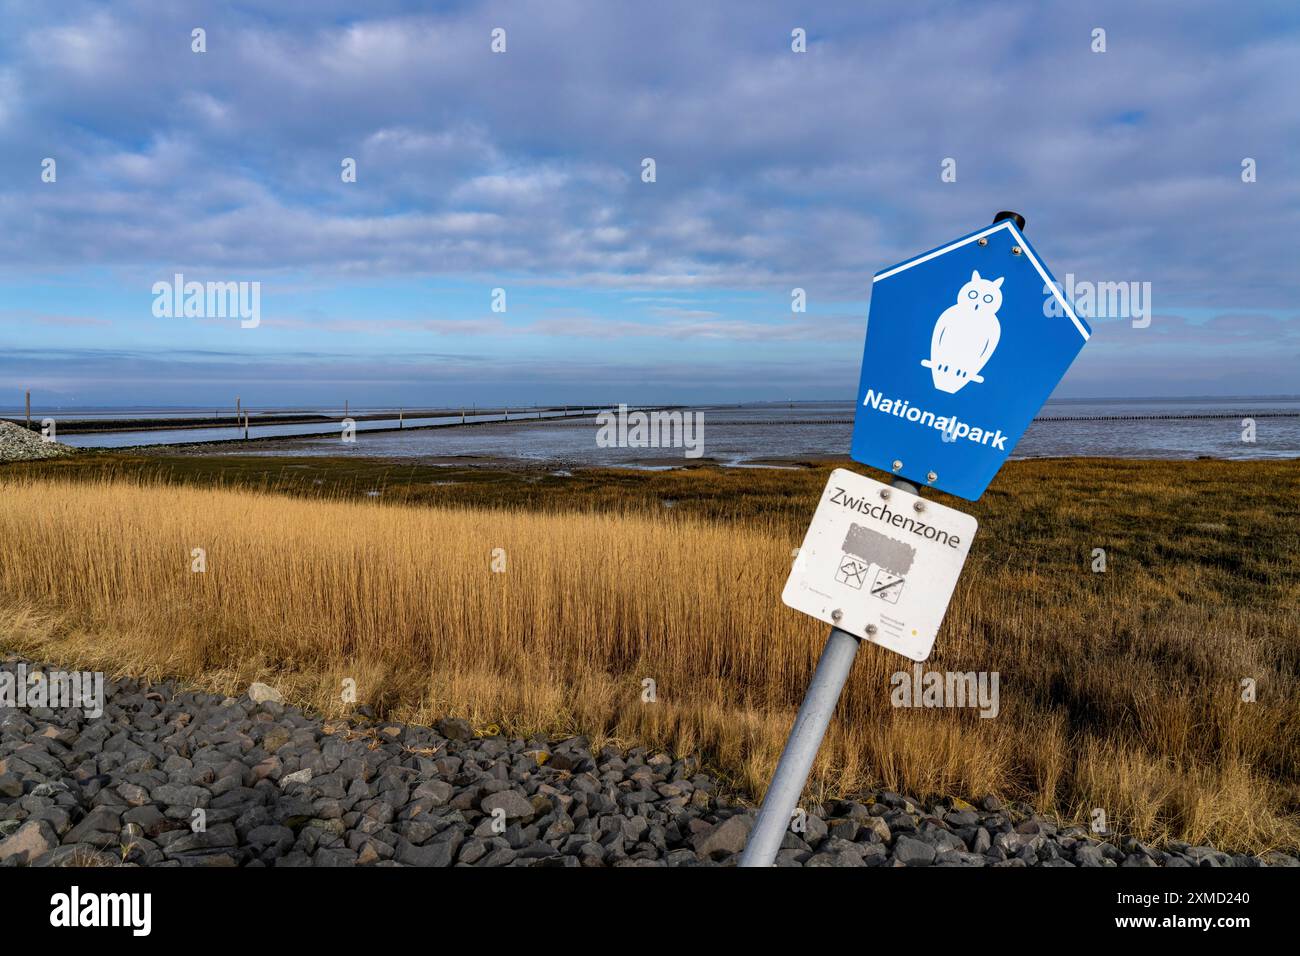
{"points": [[523, 171]]}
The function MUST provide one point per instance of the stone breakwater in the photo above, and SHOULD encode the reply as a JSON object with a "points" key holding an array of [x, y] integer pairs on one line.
{"points": [[167, 776], [19, 444]]}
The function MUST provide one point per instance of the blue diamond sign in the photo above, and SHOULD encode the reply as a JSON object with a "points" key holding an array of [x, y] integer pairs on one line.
{"points": [[964, 345]]}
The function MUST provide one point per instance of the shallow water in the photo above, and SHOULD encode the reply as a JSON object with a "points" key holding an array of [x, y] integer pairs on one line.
{"points": [[750, 434]]}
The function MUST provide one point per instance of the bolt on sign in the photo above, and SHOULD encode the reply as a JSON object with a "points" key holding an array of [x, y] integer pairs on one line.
{"points": [[964, 345], [880, 563]]}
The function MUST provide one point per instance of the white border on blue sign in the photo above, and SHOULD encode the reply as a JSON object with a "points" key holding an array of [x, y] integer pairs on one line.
{"points": [[975, 237]]}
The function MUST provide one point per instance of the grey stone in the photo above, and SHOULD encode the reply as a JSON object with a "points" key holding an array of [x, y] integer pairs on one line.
{"points": [[727, 838], [298, 776], [1086, 854], [99, 820], [875, 828], [181, 796], [912, 852], [455, 728], [260, 693], [438, 792], [433, 853], [33, 839], [512, 803]]}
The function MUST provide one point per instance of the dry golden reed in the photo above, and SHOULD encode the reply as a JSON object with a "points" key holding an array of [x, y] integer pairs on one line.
{"points": [[1119, 692]]}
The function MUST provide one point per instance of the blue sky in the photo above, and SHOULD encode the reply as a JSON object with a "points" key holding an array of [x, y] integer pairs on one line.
{"points": [[522, 171]]}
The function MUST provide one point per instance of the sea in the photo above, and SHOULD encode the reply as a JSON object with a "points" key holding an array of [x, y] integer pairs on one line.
{"points": [[752, 434]]}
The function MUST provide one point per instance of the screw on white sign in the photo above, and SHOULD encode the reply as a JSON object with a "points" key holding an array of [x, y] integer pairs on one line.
{"points": [[875, 565]]}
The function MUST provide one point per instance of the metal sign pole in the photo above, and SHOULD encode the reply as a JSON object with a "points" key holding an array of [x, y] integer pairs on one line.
{"points": [[804, 741], [801, 749]]}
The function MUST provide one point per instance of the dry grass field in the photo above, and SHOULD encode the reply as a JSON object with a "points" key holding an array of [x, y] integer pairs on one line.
{"points": [[1119, 690]]}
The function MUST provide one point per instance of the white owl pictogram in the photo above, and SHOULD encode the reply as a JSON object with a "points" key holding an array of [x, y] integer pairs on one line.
{"points": [[966, 335]]}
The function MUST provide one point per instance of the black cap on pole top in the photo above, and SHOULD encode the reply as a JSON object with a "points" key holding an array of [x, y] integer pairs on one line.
{"points": [[1008, 214]]}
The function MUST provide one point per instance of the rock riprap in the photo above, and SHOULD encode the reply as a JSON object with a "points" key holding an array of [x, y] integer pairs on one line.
{"points": [[167, 776], [19, 444]]}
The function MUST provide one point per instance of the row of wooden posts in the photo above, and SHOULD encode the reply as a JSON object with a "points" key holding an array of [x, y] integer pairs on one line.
{"points": [[401, 414], [242, 414]]}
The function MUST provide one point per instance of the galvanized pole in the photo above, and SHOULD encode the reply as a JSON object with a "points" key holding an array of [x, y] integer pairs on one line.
{"points": [[801, 749], [804, 742]]}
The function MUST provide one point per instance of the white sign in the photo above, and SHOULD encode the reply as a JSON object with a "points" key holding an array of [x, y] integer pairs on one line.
{"points": [[880, 563]]}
